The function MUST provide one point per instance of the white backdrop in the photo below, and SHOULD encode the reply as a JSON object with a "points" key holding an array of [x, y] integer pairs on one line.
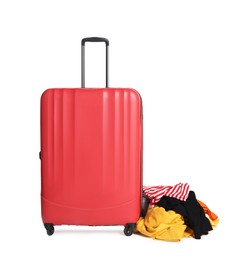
{"points": [[190, 61]]}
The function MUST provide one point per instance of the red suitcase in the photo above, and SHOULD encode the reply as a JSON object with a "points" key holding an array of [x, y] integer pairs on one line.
{"points": [[91, 155]]}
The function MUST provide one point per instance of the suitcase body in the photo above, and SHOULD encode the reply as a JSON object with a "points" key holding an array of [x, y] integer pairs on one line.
{"points": [[91, 157]]}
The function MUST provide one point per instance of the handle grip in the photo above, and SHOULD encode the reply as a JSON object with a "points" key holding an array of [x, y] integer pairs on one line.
{"points": [[95, 39]]}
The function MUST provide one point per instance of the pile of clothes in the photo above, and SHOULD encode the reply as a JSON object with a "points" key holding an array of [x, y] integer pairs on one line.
{"points": [[173, 213]]}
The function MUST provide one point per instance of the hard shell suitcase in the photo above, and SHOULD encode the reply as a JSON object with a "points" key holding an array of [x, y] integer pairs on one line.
{"points": [[91, 154]]}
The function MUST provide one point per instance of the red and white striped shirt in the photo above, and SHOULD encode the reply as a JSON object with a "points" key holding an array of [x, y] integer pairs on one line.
{"points": [[179, 191]]}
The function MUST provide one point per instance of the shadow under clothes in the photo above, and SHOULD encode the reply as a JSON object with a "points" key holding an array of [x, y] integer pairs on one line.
{"points": [[192, 212]]}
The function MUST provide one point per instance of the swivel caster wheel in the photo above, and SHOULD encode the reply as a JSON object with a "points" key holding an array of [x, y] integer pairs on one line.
{"points": [[49, 228], [129, 229]]}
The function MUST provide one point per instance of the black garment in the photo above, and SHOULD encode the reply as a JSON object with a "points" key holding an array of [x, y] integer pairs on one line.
{"points": [[192, 212]]}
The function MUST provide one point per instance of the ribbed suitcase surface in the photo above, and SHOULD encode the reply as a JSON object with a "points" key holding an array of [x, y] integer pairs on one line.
{"points": [[91, 154]]}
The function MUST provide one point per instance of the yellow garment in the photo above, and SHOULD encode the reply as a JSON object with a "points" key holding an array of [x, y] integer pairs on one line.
{"points": [[162, 224]]}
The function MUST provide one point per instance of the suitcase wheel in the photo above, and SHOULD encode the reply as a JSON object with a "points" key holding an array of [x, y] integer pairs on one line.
{"points": [[49, 228], [144, 205], [129, 229]]}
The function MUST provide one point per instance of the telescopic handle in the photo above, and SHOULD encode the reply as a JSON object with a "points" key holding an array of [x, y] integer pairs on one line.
{"points": [[93, 39]]}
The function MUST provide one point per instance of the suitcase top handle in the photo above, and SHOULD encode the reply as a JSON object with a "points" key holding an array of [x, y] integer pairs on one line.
{"points": [[93, 39]]}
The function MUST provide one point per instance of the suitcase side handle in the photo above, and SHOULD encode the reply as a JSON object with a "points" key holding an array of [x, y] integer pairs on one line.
{"points": [[92, 39]]}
